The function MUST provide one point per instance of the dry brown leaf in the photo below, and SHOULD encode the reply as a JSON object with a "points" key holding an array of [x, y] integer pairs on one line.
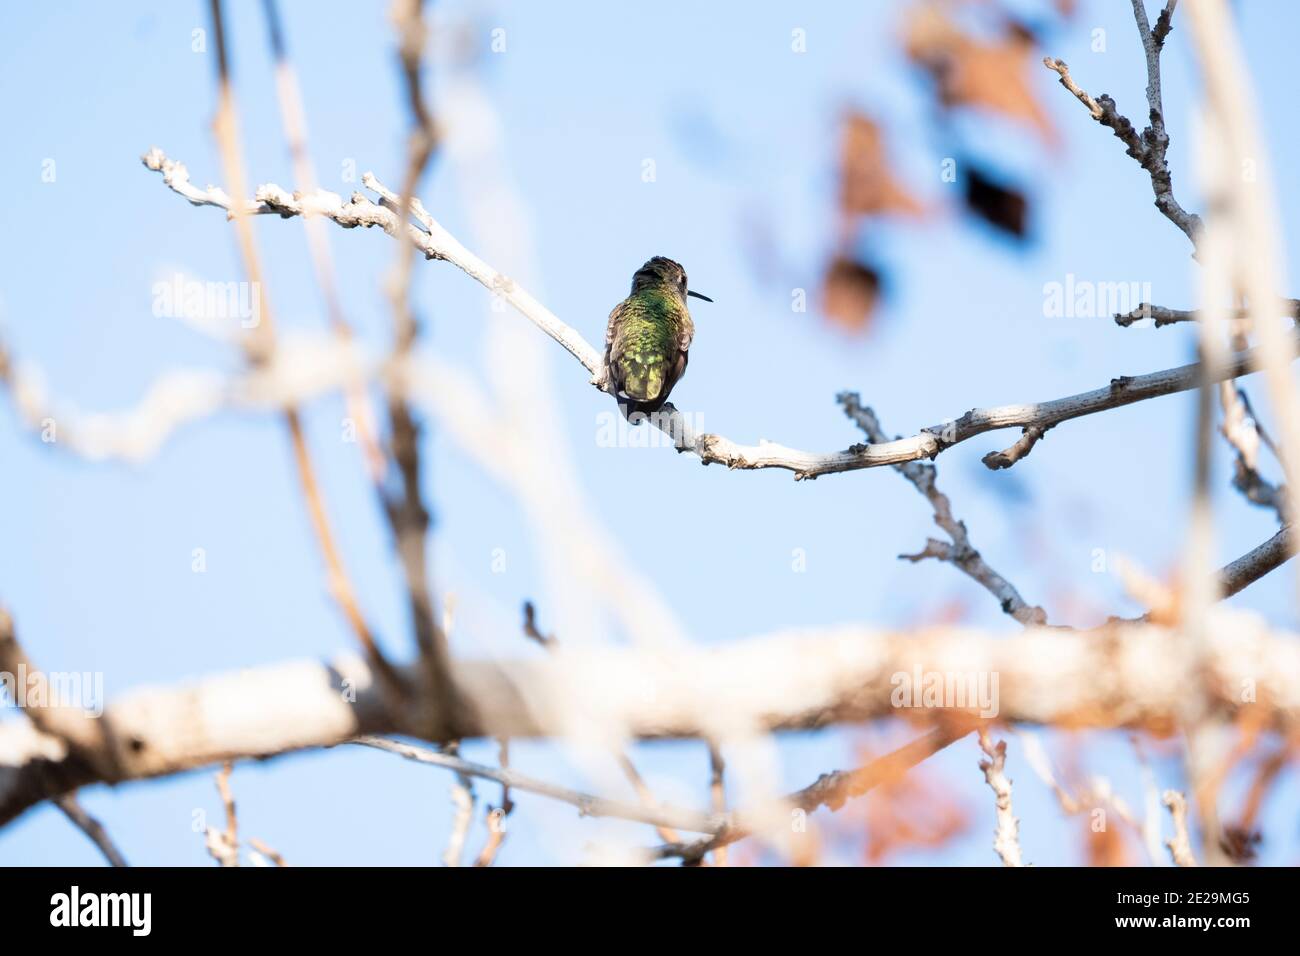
{"points": [[850, 293], [866, 186], [970, 72]]}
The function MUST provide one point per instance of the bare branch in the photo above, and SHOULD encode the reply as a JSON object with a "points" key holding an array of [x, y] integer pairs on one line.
{"points": [[531, 631], [496, 825], [645, 794], [496, 816], [1232, 578], [404, 507], [1063, 70], [718, 791], [1029, 437], [642, 789], [1006, 840], [796, 680], [61, 719], [830, 790], [261, 848], [223, 845], [1254, 564], [1242, 432], [1180, 844], [260, 345], [1150, 146], [294, 120], [437, 243], [1095, 792], [1164, 24], [88, 825], [462, 802], [1245, 229], [588, 804], [1165, 316], [960, 553]]}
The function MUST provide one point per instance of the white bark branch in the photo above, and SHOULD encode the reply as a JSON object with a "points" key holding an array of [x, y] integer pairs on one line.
{"points": [[436, 243], [1123, 675]]}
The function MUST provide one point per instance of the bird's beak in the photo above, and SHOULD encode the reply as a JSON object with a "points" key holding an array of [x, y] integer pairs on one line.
{"points": [[699, 296]]}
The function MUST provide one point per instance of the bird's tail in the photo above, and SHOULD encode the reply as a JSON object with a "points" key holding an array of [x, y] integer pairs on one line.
{"points": [[631, 406], [643, 380]]}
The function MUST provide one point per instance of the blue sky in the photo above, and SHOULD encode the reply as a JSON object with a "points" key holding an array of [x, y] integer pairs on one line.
{"points": [[96, 559]]}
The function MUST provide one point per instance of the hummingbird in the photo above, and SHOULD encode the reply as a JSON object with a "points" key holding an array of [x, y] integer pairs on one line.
{"points": [[648, 336]]}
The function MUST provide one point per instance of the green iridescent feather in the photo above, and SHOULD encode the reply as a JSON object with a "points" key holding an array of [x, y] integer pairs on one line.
{"points": [[648, 336]]}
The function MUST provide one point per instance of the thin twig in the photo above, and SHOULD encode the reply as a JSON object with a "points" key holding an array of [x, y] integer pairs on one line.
{"points": [[88, 825], [531, 630], [1203, 729], [588, 804], [407, 514], [496, 827], [1164, 23], [294, 120], [1243, 257], [1242, 432], [64, 720], [223, 845], [259, 847], [60, 719], [1151, 145], [1254, 564], [718, 790], [1180, 844], [462, 801], [1245, 215], [1163, 315], [1060, 68], [830, 790], [959, 553], [645, 794], [496, 816], [1006, 840], [260, 345], [1265, 775], [642, 789], [1030, 436], [1086, 798], [1150, 805]]}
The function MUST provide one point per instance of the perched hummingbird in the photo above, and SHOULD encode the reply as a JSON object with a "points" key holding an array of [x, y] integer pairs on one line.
{"points": [[648, 336]]}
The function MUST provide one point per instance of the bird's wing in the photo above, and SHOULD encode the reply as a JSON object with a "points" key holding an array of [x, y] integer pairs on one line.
{"points": [[675, 373], [611, 325], [612, 351], [685, 337]]}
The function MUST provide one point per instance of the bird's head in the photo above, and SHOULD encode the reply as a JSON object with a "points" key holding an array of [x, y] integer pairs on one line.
{"points": [[660, 272]]}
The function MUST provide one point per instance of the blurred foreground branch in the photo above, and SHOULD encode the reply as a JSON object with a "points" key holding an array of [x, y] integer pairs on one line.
{"points": [[1122, 675]]}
